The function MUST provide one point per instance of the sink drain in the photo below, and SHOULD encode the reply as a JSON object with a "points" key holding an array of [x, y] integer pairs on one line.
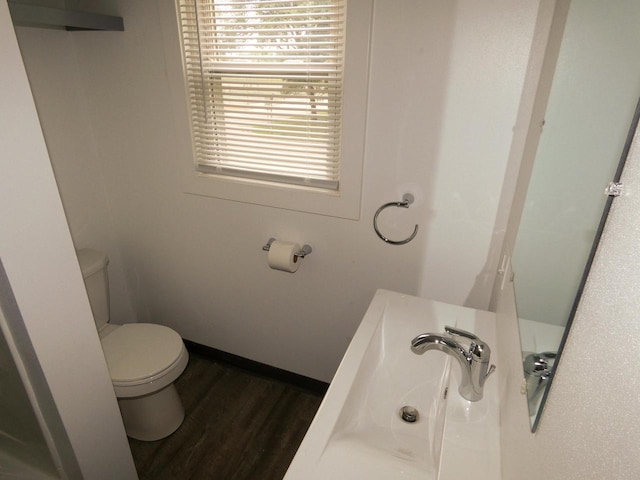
{"points": [[409, 414]]}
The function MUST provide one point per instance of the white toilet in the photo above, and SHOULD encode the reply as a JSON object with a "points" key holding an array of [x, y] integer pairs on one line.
{"points": [[144, 360]]}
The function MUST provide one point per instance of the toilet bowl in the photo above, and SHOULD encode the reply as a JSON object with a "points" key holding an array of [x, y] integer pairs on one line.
{"points": [[144, 360]]}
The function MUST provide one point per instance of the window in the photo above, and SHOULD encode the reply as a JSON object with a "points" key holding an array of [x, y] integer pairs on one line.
{"points": [[268, 92], [265, 85]]}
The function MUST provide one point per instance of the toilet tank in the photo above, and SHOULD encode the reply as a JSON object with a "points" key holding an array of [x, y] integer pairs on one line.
{"points": [[94, 271]]}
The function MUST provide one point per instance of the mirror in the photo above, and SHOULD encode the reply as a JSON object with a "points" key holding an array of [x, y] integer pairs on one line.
{"points": [[592, 104]]}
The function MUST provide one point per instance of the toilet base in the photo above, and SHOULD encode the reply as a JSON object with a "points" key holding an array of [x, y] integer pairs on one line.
{"points": [[154, 416]]}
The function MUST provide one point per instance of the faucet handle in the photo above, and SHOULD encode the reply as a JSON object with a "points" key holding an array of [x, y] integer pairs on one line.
{"points": [[461, 333], [478, 350]]}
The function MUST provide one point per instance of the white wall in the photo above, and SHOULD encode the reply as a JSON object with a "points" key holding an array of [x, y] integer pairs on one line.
{"points": [[589, 427], [444, 90], [40, 263], [51, 64], [486, 60]]}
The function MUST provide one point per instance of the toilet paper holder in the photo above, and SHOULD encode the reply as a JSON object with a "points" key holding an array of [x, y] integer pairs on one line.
{"points": [[303, 252]]}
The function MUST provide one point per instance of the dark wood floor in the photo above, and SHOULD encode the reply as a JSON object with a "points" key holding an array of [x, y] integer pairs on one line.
{"points": [[238, 426]]}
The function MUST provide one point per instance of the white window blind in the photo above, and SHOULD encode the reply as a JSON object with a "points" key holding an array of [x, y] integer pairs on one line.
{"points": [[264, 80]]}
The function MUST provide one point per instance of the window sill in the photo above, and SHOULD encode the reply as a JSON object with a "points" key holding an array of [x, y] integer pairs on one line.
{"points": [[288, 197]]}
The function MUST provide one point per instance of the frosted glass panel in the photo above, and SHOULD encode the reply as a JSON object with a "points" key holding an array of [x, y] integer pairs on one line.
{"points": [[591, 106], [23, 450]]}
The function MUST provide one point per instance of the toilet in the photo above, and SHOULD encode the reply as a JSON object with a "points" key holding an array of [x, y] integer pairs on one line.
{"points": [[144, 360]]}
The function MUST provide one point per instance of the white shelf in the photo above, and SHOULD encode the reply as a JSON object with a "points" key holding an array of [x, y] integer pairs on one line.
{"points": [[24, 14]]}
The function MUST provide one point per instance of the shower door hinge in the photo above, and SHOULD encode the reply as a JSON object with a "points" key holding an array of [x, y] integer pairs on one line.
{"points": [[614, 189]]}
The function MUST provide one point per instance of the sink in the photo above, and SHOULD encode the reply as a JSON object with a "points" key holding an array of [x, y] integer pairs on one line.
{"points": [[358, 431]]}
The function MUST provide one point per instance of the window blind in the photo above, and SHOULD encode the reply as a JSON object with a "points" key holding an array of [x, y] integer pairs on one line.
{"points": [[264, 81]]}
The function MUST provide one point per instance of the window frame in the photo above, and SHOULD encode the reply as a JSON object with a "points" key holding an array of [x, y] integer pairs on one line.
{"points": [[344, 202]]}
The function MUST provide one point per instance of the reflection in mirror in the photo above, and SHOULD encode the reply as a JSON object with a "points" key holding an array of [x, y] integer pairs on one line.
{"points": [[591, 105]]}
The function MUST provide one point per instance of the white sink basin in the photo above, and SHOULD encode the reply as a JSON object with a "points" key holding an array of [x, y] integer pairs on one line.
{"points": [[358, 433]]}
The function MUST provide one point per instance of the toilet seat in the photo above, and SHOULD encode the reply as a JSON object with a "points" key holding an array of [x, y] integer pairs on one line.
{"points": [[143, 358]]}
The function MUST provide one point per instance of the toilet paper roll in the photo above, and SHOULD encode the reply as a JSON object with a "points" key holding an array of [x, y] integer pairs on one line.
{"points": [[282, 256]]}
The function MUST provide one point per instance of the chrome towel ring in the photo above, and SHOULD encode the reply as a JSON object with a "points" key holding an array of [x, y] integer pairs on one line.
{"points": [[407, 199]]}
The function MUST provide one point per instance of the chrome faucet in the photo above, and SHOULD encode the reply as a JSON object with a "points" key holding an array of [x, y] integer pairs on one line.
{"points": [[474, 362]]}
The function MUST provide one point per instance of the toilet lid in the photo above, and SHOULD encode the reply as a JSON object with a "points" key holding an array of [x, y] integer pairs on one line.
{"points": [[140, 350]]}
